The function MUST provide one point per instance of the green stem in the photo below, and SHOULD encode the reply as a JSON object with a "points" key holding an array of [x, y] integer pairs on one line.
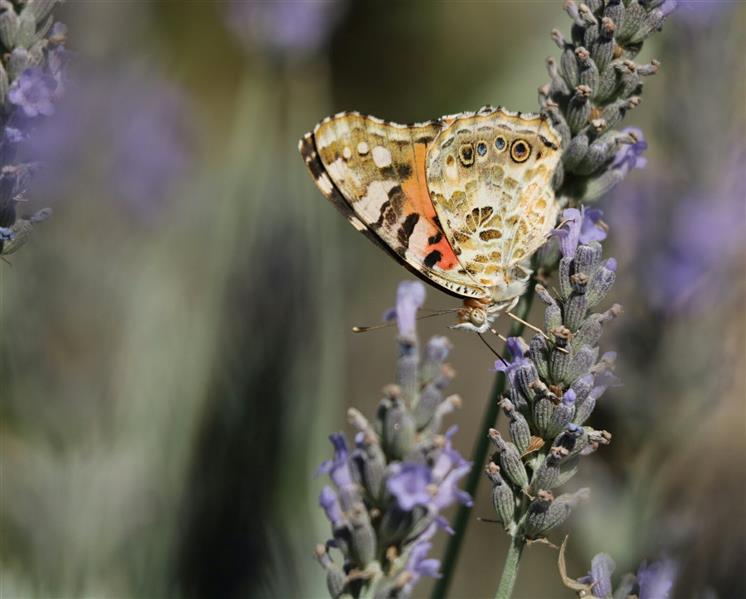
{"points": [[478, 455], [510, 569]]}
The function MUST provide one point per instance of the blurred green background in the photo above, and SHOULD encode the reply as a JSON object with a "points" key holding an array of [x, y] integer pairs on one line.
{"points": [[176, 342]]}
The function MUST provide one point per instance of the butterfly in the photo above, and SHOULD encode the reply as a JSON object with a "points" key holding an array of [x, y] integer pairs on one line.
{"points": [[462, 201]]}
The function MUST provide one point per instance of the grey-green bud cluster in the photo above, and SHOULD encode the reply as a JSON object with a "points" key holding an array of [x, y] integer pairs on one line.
{"points": [[594, 85], [554, 383]]}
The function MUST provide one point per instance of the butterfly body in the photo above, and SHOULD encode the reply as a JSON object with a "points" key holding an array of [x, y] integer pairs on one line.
{"points": [[462, 201]]}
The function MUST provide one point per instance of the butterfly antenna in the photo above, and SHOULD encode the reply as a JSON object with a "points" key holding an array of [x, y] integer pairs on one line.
{"points": [[375, 327], [527, 324], [534, 328], [498, 335], [492, 349]]}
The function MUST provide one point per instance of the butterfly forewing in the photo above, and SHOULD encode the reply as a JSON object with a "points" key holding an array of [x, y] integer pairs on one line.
{"points": [[375, 172]]}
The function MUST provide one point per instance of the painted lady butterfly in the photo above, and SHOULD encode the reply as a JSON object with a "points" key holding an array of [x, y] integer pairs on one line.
{"points": [[462, 201]]}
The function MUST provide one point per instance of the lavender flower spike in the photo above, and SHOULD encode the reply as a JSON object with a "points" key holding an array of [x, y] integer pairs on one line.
{"points": [[554, 384], [388, 494], [31, 77]]}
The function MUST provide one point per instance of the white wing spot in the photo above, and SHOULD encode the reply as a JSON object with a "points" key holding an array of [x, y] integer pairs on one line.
{"points": [[381, 156], [375, 197], [362, 148], [325, 184], [346, 153], [357, 223]]}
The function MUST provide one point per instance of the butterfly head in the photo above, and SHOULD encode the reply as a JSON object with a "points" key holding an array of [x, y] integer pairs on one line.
{"points": [[477, 315]]}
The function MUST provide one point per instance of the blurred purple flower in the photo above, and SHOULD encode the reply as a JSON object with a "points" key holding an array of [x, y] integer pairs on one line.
{"points": [[33, 92], [706, 233], [141, 126], [601, 382], [700, 12], [151, 142], [281, 26], [58, 56], [13, 135], [656, 580], [602, 567], [410, 295]]}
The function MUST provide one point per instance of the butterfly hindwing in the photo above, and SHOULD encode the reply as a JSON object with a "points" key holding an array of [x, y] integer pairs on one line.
{"points": [[374, 172], [489, 176]]}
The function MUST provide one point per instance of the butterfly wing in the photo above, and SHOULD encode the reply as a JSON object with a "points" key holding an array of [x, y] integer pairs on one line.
{"points": [[489, 175], [374, 172]]}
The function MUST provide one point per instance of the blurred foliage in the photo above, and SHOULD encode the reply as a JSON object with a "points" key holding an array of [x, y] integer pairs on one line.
{"points": [[168, 379]]}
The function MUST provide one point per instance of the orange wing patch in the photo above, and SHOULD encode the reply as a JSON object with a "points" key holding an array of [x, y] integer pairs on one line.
{"points": [[437, 250]]}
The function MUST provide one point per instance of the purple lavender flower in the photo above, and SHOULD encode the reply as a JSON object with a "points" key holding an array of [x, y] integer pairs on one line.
{"points": [[410, 295], [579, 226], [410, 484], [630, 156], [329, 502], [33, 91], [569, 397], [568, 233], [419, 565], [449, 468], [602, 567], [591, 228], [517, 349], [283, 27], [602, 381], [338, 469], [656, 580], [435, 487]]}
